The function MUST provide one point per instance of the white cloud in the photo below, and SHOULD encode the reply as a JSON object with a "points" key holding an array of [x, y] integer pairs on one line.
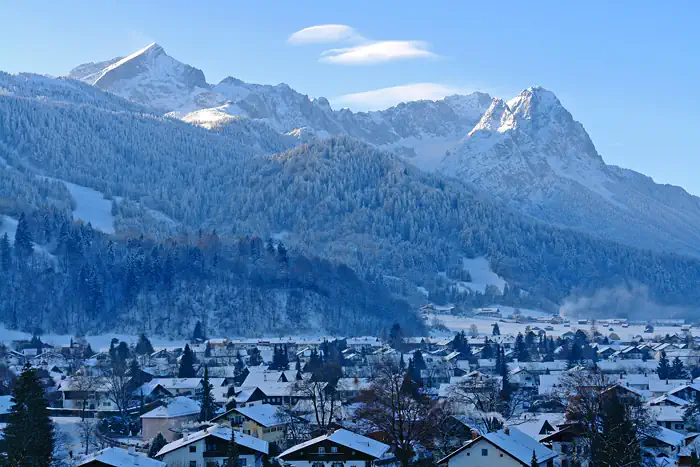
{"points": [[363, 51], [378, 52], [324, 34], [387, 97]]}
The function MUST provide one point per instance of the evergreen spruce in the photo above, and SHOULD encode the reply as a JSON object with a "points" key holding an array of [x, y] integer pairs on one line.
{"points": [[29, 434], [496, 330], [24, 243], [198, 334], [186, 369], [207, 410], [255, 359], [677, 370], [143, 346], [664, 369], [5, 253], [156, 445]]}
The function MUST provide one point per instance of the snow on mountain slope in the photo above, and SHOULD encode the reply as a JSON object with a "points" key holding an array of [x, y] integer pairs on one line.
{"points": [[421, 130], [151, 77], [528, 152], [532, 154]]}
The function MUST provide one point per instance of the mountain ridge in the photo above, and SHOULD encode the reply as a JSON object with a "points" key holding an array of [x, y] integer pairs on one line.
{"points": [[528, 152]]}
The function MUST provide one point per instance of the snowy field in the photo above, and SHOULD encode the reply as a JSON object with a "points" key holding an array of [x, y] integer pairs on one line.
{"points": [[485, 325], [482, 275], [97, 342], [92, 207], [8, 226]]}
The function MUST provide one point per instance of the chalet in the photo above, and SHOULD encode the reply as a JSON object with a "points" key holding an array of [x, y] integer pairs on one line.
{"points": [[669, 417], [687, 392], [210, 446], [189, 387], [86, 392], [168, 419], [116, 457], [342, 448], [506, 447], [488, 313], [566, 443], [260, 421]]}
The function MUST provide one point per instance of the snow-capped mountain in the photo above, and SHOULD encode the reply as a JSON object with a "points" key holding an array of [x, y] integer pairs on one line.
{"points": [[421, 130], [528, 152]]}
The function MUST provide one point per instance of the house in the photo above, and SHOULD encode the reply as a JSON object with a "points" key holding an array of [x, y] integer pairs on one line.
{"points": [[506, 447], [150, 392], [210, 446], [662, 443], [260, 421], [668, 416], [190, 387], [117, 457], [168, 419], [566, 443], [86, 392], [342, 448]]}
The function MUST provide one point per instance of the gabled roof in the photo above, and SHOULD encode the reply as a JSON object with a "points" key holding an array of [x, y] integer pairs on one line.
{"points": [[220, 432], [265, 414], [121, 458], [514, 443], [666, 436], [177, 407], [178, 383], [348, 439]]}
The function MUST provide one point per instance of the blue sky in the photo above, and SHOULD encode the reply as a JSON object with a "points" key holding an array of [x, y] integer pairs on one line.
{"points": [[627, 70]]}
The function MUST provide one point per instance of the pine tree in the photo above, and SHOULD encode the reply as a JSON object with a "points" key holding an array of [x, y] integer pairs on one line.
{"points": [[29, 434], [5, 253], [156, 445], [664, 369], [24, 243], [198, 334], [496, 330], [418, 361], [677, 370], [143, 346], [240, 365], [186, 369], [232, 452], [207, 410], [255, 359]]}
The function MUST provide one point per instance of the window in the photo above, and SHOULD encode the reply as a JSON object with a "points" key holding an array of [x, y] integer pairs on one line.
{"points": [[317, 464], [564, 449], [193, 463], [193, 448], [679, 426], [242, 462], [337, 464], [321, 450], [334, 448], [484, 452]]}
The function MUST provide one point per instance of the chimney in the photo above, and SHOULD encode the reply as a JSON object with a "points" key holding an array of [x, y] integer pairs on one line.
{"points": [[185, 436], [475, 434], [131, 451], [507, 431]]}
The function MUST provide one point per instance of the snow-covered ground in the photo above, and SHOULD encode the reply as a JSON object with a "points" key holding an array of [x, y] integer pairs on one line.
{"points": [[100, 341], [482, 275], [92, 207], [485, 325], [8, 226]]}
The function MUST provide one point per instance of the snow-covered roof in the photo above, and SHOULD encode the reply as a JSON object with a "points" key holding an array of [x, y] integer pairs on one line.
{"points": [[670, 437], [667, 413], [256, 378], [265, 414], [348, 439], [121, 458], [221, 432], [532, 424], [669, 398], [178, 383], [177, 407], [514, 442]]}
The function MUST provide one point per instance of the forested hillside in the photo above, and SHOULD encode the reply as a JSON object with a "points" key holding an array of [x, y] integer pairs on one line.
{"points": [[339, 199], [66, 277]]}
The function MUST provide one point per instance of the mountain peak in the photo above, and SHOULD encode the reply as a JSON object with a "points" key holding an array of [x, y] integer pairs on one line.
{"points": [[535, 100]]}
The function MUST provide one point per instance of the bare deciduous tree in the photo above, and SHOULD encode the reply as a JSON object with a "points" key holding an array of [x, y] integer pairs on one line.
{"points": [[394, 406], [483, 402]]}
